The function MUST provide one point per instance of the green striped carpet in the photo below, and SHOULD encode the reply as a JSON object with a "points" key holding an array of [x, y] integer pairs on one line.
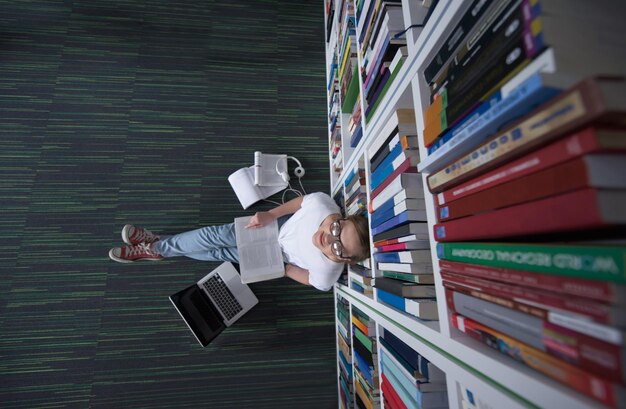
{"points": [[137, 111]]}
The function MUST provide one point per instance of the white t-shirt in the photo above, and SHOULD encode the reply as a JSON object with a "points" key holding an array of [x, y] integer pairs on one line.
{"points": [[295, 238]]}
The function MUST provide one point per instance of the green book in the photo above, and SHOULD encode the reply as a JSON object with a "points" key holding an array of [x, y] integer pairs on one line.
{"points": [[367, 343], [352, 92], [592, 262], [413, 278]]}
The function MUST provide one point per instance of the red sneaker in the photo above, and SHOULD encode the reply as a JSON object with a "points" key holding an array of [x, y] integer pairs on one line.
{"points": [[136, 235], [128, 254]]}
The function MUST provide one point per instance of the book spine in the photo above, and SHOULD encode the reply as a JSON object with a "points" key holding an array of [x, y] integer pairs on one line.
{"points": [[371, 109], [591, 289], [532, 301], [360, 325], [400, 380], [544, 63], [404, 161], [395, 402], [559, 179], [408, 181], [583, 103], [571, 147], [603, 263], [566, 212], [395, 221], [393, 170], [413, 278], [363, 339], [468, 21], [405, 397], [391, 299], [393, 247], [592, 354], [577, 379], [511, 47]]}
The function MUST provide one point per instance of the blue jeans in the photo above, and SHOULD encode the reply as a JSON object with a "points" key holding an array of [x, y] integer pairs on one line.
{"points": [[211, 243]]}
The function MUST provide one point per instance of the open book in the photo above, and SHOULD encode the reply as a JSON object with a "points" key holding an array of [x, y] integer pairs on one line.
{"points": [[242, 182], [260, 256]]}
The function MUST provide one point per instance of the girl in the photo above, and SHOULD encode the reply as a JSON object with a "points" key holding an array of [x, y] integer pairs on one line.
{"points": [[316, 241]]}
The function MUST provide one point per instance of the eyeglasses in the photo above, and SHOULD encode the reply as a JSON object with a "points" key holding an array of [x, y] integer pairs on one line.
{"points": [[336, 246]]}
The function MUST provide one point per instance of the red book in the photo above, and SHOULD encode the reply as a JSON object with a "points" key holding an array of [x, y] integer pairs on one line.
{"points": [[596, 290], [405, 167], [591, 354], [588, 140], [542, 301], [396, 240], [394, 247], [581, 209], [597, 170], [390, 394], [608, 393]]}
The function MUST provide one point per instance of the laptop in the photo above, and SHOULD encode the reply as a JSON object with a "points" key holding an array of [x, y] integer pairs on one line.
{"points": [[260, 254], [214, 303]]}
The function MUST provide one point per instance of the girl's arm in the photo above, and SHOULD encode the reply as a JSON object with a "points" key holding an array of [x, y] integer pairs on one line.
{"points": [[260, 219], [298, 274]]}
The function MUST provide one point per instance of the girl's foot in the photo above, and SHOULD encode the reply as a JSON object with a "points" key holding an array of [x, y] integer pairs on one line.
{"points": [[129, 254], [136, 235]]}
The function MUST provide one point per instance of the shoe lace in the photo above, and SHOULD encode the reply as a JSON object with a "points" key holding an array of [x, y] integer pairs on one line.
{"points": [[142, 234], [139, 249]]}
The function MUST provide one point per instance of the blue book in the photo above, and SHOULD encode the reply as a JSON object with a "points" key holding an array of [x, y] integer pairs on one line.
{"points": [[350, 176], [382, 215], [422, 365], [363, 367], [400, 383], [383, 172], [356, 136], [347, 366], [403, 394], [404, 256], [391, 299], [523, 99], [409, 385], [400, 219], [395, 221], [378, 175]]}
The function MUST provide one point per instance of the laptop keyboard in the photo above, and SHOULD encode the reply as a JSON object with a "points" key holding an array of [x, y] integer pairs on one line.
{"points": [[222, 296]]}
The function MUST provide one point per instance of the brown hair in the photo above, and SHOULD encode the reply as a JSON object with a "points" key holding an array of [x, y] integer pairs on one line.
{"points": [[362, 229]]}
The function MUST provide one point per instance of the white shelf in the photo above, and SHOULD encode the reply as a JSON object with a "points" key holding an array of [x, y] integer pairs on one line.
{"points": [[498, 380]]}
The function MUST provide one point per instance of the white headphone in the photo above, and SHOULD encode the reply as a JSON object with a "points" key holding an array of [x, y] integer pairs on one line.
{"points": [[284, 173]]}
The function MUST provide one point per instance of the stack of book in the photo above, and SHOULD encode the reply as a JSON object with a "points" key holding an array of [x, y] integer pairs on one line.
{"points": [[365, 360], [382, 53], [504, 59], [361, 280], [398, 214], [408, 379], [416, 299], [334, 121], [558, 308], [348, 75], [344, 353], [531, 213], [354, 123], [356, 194], [329, 8]]}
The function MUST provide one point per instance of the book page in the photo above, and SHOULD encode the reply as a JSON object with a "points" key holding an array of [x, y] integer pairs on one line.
{"points": [[260, 255], [242, 182], [266, 167]]}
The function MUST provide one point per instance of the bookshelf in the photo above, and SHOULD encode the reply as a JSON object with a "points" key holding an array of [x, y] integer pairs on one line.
{"points": [[473, 371]]}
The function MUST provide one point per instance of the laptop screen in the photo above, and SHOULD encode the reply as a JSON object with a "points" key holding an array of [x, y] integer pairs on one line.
{"points": [[199, 314]]}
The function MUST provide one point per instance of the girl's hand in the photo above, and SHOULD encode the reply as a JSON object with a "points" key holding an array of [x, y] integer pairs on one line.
{"points": [[260, 219]]}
